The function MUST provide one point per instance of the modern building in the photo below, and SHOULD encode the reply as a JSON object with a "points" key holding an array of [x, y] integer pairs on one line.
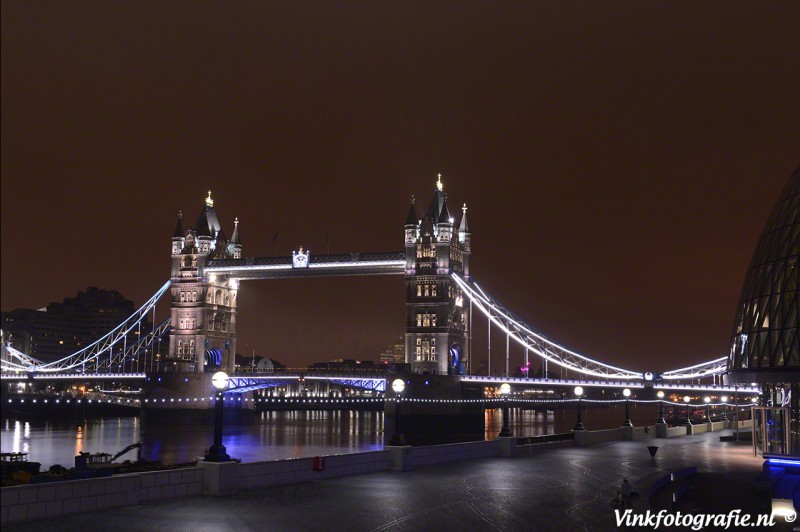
{"points": [[436, 320], [765, 343], [61, 329]]}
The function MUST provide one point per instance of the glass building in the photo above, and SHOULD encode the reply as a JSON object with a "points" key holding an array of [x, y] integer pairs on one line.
{"points": [[765, 344]]}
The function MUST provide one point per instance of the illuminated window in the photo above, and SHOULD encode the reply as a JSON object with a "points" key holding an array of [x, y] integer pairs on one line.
{"points": [[419, 290], [433, 290], [191, 347], [183, 297], [194, 296], [427, 290], [419, 320]]}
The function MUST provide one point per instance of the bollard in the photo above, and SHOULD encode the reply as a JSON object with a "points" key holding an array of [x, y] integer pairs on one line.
{"points": [[653, 449]]}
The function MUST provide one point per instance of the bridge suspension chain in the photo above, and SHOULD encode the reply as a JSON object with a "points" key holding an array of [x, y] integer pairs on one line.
{"points": [[698, 371], [90, 355], [522, 333]]}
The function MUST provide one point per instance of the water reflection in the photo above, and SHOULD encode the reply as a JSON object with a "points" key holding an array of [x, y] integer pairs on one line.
{"points": [[265, 436], [268, 436]]}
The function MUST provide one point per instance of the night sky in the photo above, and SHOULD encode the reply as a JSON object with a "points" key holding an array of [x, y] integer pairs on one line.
{"points": [[619, 159]]}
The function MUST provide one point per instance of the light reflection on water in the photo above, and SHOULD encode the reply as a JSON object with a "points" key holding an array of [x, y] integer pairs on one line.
{"points": [[267, 436]]}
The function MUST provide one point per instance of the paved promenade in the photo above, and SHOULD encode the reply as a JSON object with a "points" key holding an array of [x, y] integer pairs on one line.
{"points": [[560, 489]]}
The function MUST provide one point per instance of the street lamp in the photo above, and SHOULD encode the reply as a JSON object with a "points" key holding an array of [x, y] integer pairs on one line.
{"points": [[724, 400], [627, 393], [505, 389], [398, 385], [579, 393], [660, 395], [707, 401], [217, 451], [687, 399]]}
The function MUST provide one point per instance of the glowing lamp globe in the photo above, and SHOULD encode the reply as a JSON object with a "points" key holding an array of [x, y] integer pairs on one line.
{"points": [[398, 385], [578, 391], [626, 392], [505, 388], [220, 380], [724, 398], [754, 399], [660, 394], [687, 399], [707, 399]]}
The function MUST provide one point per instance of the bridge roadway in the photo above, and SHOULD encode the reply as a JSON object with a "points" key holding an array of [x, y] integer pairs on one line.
{"points": [[244, 382]]}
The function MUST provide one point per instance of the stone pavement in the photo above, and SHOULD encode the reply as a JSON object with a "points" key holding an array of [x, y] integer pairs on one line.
{"points": [[560, 489]]}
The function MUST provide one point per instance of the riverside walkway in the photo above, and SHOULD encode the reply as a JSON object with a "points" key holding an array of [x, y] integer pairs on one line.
{"points": [[558, 489]]}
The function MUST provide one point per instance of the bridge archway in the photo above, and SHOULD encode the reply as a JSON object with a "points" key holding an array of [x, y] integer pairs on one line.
{"points": [[213, 360]]}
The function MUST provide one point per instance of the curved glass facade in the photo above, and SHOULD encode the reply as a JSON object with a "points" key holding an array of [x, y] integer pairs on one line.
{"points": [[765, 335]]}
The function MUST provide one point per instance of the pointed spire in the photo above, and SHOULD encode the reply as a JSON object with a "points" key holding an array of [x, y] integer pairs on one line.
{"points": [[437, 202], [201, 227], [235, 237], [444, 215], [209, 201], [412, 219], [464, 227], [179, 227]]}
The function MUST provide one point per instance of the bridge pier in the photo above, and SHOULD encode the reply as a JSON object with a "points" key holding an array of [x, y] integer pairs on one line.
{"points": [[432, 413]]}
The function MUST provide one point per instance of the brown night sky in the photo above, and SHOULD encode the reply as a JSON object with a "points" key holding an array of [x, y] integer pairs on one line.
{"points": [[619, 159]]}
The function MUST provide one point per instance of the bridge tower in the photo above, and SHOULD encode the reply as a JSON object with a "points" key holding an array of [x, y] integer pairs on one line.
{"points": [[437, 324], [203, 307]]}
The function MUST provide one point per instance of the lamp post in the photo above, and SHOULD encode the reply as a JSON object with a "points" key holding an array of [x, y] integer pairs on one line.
{"points": [[707, 401], [627, 393], [687, 399], [579, 393], [398, 385], [505, 389], [217, 451], [724, 400], [660, 395]]}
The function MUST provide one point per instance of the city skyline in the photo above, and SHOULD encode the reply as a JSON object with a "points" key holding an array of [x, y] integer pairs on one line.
{"points": [[616, 213]]}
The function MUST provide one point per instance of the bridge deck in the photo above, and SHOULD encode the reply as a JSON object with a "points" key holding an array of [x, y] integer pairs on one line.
{"points": [[251, 381]]}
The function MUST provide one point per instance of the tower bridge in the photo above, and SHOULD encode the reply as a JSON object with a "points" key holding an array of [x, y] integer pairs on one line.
{"points": [[441, 299]]}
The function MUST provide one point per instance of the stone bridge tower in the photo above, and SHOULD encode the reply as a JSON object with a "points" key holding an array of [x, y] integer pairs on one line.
{"points": [[437, 322], [202, 335]]}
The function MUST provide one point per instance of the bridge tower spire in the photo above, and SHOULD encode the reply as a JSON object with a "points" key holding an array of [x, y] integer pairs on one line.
{"points": [[203, 307], [436, 324]]}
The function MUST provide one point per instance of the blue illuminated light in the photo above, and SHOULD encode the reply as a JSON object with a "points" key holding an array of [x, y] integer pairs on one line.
{"points": [[783, 461]]}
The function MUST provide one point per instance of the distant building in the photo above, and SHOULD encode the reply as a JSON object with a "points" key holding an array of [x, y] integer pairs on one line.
{"points": [[257, 363], [60, 329], [395, 354]]}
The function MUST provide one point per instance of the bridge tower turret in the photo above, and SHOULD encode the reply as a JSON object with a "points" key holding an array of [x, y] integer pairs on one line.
{"points": [[235, 245], [178, 237], [203, 307], [436, 324], [465, 238], [412, 231]]}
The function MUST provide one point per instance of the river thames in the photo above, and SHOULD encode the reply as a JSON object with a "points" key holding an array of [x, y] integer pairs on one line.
{"points": [[266, 436]]}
